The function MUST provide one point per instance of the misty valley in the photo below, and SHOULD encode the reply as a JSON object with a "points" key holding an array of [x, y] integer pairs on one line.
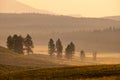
{"points": [[38, 43]]}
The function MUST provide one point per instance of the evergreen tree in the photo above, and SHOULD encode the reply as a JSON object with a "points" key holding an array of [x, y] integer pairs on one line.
{"points": [[82, 55], [10, 42], [59, 48], [20, 44], [70, 50], [51, 47], [72, 47], [15, 43], [28, 43]]}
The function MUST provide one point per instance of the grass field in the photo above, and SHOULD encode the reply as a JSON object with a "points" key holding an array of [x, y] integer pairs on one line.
{"points": [[96, 72], [41, 67]]}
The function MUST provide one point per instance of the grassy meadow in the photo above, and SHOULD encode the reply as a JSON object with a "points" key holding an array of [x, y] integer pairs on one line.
{"points": [[41, 67], [96, 72]]}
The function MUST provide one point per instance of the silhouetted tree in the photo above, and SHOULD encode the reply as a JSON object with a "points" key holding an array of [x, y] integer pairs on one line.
{"points": [[20, 44], [72, 47], [28, 43], [10, 42], [15, 43], [59, 48], [51, 47], [70, 50], [82, 55]]}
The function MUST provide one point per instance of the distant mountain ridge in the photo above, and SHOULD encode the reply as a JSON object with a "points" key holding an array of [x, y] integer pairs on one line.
{"points": [[14, 6], [43, 22], [117, 18]]}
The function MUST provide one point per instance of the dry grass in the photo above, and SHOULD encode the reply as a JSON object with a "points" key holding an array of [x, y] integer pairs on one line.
{"points": [[65, 73]]}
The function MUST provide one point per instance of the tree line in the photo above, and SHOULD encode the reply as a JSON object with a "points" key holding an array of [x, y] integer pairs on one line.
{"points": [[58, 49], [69, 50], [19, 44]]}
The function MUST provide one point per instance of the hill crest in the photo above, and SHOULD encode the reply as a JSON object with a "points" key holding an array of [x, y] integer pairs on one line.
{"points": [[14, 6]]}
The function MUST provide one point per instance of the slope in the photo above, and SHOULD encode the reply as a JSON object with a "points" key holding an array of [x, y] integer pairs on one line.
{"points": [[8, 57]]}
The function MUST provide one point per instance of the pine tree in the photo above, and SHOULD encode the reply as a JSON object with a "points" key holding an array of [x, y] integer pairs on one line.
{"points": [[82, 55], [51, 47], [28, 43], [72, 47], [15, 43], [70, 50], [59, 48], [20, 45], [10, 42]]}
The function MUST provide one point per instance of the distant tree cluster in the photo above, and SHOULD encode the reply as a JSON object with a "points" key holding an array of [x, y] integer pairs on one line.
{"points": [[18, 44], [58, 48], [109, 29], [70, 50]]}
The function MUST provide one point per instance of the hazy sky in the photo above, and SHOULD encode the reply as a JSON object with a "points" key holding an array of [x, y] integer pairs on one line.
{"points": [[87, 8]]}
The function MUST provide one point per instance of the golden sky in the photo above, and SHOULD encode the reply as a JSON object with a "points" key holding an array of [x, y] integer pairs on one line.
{"points": [[86, 8]]}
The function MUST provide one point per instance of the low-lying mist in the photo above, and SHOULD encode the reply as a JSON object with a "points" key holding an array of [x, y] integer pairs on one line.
{"points": [[105, 41]]}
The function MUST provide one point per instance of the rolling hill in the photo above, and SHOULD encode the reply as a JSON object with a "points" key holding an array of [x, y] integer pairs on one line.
{"points": [[42, 27], [8, 57], [51, 23]]}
